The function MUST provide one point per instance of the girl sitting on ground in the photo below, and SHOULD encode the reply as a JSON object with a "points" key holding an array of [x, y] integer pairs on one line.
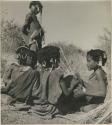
{"points": [[96, 88], [20, 78], [54, 85]]}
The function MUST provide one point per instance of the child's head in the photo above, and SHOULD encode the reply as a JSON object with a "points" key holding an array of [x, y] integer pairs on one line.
{"points": [[21, 55], [26, 57], [94, 57], [36, 7], [49, 56], [31, 58]]}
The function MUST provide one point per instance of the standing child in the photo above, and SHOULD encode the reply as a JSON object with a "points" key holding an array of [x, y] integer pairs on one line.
{"points": [[97, 85], [32, 30]]}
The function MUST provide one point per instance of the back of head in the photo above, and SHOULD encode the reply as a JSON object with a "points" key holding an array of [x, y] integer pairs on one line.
{"points": [[49, 54], [21, 55]]}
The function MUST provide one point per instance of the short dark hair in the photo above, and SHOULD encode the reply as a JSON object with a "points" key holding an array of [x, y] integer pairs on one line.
{"points": [[47, 53], [33, 3], [23, 52], [22, 57], [98, 54]]}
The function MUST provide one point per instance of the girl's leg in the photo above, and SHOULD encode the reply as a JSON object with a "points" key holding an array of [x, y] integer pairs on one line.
{"points": [[88, 108], [92, 103]]}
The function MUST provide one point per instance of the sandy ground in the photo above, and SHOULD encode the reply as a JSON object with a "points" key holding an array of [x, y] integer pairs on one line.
{"points": [[22, 117], [9, 116]]}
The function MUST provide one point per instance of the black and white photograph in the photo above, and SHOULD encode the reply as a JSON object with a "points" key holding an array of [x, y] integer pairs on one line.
{"points": [[55, 62]]}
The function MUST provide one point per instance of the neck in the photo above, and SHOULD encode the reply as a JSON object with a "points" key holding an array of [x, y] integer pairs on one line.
{"points": [[32, 12], [96, 68]]}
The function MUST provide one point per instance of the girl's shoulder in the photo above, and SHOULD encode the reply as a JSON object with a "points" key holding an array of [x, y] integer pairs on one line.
{"points": [[100, 72], [28, 17], [29, 14]]}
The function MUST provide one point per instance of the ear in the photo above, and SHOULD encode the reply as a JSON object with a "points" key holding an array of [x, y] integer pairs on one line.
{"points": [[100, 61], [104, 55]]}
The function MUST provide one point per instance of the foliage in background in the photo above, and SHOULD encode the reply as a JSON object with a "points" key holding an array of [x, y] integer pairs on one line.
{"points": [[11, 36]]}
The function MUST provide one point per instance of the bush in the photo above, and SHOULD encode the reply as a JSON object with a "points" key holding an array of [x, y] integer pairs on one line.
{"points": [[11, 36], [3, 66]]}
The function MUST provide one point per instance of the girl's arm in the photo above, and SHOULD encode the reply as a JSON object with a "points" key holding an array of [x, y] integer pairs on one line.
{"points": [[26, 26], [68, 91], [7, 87], [7, 79], [100, 78], [7, 75]]}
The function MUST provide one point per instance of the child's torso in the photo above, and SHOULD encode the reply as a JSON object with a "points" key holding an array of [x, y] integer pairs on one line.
{"points": [[34, 23], [96, 88]]}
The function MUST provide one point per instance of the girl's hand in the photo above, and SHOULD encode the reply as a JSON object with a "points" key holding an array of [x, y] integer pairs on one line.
{"points": [[74, 82]]}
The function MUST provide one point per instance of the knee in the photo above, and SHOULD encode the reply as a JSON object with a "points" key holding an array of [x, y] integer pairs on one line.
{"points": [[88, 108]]}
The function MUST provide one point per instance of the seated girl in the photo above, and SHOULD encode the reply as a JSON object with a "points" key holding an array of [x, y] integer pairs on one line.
{"points": [[96, 88], [54, 85], [20, 78]]}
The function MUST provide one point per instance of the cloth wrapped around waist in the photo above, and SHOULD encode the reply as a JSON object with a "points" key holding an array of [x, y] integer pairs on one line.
{"points": [[24, 84]]}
